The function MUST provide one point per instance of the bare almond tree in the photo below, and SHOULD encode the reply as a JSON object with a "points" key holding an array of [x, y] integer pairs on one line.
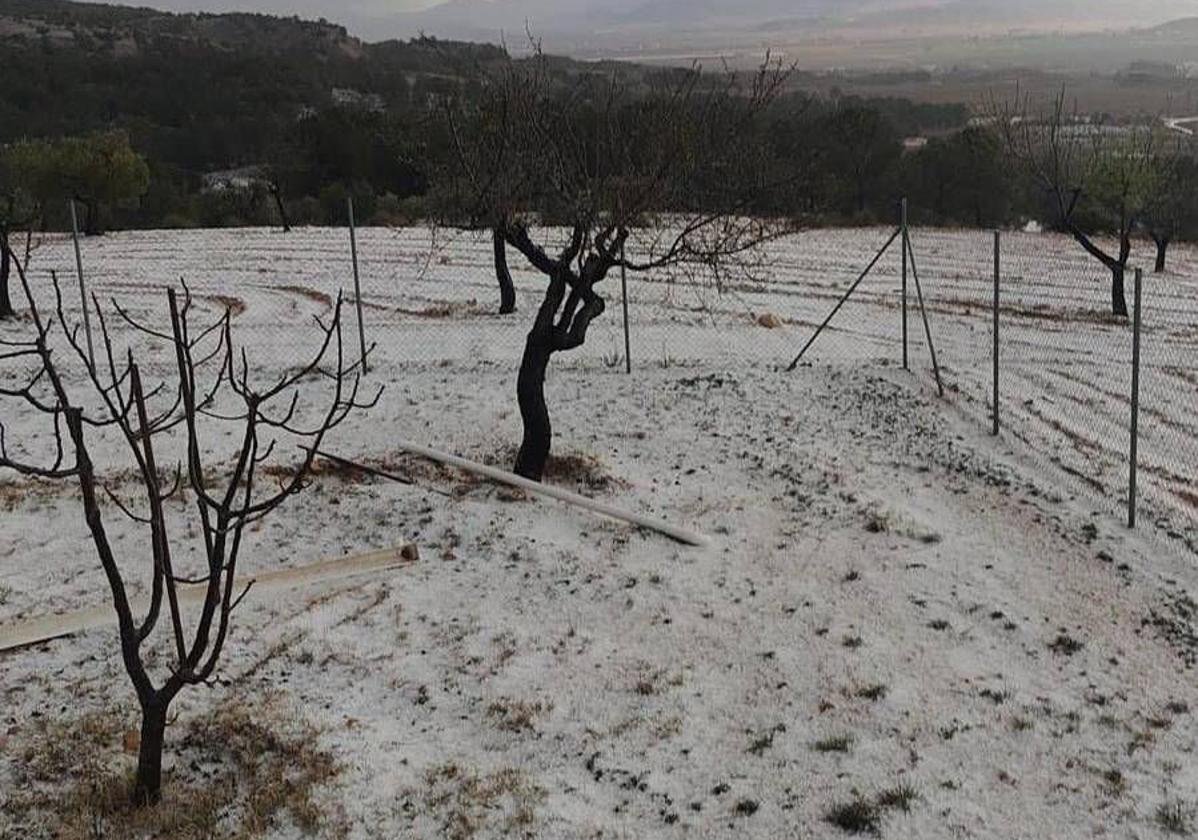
{"points": [[117, 400], [1097, 179], [593, 175]]}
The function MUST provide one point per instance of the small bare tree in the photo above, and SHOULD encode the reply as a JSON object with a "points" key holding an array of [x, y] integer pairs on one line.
{"points": [[144, 418], [1174, 214], [17, 211], [589, 176], [1097, 179]]}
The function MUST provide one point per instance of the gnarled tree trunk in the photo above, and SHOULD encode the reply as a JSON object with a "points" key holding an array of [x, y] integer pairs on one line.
{"points": [[507, 290], [539, 347], [91, 217], [147, 784], [534, 412], [1162, 251], [554, 331], [1118, 298], [6, 258]]}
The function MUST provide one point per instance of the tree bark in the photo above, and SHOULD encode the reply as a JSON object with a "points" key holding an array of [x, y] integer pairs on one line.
{"points": [[530, 393], [507, 291], [530, 384], [147, 786], [91, 218], [284, 219], [1162, 251], [6, 257], [1118, 299]]}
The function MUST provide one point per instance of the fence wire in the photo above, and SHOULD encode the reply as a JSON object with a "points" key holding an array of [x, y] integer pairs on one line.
{"points": [[431, 298], [1168, 452]]}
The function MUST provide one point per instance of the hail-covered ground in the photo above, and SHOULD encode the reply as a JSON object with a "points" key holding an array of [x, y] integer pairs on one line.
{"points": [[901, 624]]}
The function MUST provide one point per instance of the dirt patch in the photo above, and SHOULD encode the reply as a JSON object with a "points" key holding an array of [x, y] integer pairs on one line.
{"points": [[568, 469], [573, 470], [446, 310], [311, 294], [464, 803], [15, 493], [399, 464], [242, 769], [233, 305], [1188, 497]]}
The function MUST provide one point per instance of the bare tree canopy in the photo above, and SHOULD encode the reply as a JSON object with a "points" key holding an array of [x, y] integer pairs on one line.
{"points": [[1097, 180], [595, 176], [36, 372]]}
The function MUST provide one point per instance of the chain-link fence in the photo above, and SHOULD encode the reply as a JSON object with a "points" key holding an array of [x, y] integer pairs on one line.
{"points": [[430, 297], [1065, 369], [1168, 429]]}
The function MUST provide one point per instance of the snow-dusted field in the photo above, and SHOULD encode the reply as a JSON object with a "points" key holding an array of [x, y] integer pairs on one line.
{"points": [[892, 599]]}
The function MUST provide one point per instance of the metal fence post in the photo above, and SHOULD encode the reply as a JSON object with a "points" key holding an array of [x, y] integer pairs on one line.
{"points": [[903, 224], [997, 278], [1135, 404], [353, 249], [923, 311], [624, 294], [87, 321]]}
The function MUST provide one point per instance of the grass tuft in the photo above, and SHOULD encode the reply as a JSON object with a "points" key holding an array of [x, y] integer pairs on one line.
{"points": [[835, 743], [899, 797], [1175, 817], [857, 816]]}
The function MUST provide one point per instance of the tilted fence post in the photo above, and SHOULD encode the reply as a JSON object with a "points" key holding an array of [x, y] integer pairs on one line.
{"points": [[87, 321], [844, 298], [923, 311], [997, 280], [1135, 405], [353, 250], [903, 224]]}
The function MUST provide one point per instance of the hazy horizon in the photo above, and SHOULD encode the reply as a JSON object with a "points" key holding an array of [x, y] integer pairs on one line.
{"points": [[379, 19]]}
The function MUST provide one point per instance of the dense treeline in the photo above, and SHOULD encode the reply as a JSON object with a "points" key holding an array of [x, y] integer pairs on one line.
{"points": [[300, 115], [250, 119]]}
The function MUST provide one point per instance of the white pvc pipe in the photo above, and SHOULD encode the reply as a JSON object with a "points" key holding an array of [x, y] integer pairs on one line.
{"points": [[680, 534], [68, 624]]}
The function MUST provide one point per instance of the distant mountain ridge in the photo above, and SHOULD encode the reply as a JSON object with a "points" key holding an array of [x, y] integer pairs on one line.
{"points": [[483, 18], [566, 15]]}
